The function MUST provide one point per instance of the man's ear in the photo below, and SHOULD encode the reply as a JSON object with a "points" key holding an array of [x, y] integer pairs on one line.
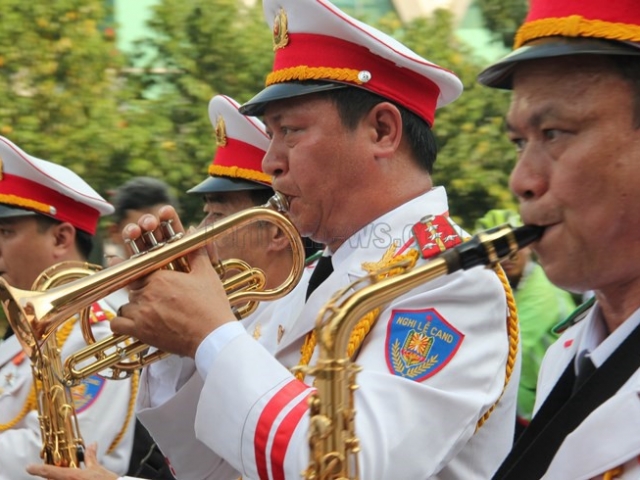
{"points": [[386, 128], [278, 241], [64, 236]]}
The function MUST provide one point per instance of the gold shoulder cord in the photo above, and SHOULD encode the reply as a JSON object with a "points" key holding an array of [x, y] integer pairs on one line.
{"points": [[512, 330], [31, 403]]}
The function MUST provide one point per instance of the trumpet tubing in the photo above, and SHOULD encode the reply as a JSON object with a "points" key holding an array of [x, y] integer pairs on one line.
{"points": [[333, 443]]}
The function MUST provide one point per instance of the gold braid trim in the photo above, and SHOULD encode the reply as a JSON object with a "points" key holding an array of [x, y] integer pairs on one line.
{"points": [[613, 473], [303, 72], [576, 26], [31, 403], [513, 331], [237, 172], [364, 325], [25, 203], [135, 380]]}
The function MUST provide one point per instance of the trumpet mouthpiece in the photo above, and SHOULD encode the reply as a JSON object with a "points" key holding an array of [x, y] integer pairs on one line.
{"points": [[279, 203]]}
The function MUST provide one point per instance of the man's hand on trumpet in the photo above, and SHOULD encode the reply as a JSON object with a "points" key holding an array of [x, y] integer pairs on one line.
{"points": [[159, 313]]}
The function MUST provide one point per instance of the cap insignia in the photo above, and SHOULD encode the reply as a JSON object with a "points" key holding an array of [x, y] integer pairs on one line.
{"points": [[221, 132], [280, 31]]}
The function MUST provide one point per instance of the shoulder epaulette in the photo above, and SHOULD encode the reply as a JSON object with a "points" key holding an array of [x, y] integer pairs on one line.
{"points": [[432, 235], [577, 315]]}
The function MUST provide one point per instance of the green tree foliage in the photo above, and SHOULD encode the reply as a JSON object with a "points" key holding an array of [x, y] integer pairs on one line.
{"points": [[203, 48], [58, 89], [503, 17], [475, 157], [66, 96]]}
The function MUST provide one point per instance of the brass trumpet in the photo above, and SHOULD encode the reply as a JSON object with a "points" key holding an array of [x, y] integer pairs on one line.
{"points": [[334, 446], [35, 316]]}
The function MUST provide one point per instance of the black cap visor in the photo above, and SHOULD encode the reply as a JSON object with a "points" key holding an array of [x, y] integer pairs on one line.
{"points": [[500, 74], [7, 211], [224, 184], [281, 91]]}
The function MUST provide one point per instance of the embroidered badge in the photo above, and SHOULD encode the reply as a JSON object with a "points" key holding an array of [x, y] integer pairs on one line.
{"points": [[87, 392], [9, 376], [420, 343], [280, 30], [434, 234], [387, 258]]}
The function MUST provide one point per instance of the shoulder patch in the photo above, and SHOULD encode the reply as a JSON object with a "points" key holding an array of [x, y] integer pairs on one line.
{"points": [[87, 392], [420, 343], [435, 234]]}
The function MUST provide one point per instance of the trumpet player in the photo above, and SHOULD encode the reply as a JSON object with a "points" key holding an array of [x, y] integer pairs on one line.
{"points": [[49, 215]]}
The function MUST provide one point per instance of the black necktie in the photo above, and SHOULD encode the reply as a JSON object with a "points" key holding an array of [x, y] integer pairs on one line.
{"points": [[320, 273]]}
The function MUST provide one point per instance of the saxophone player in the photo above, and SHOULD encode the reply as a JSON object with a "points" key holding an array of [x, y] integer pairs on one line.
{"points": [[48, 214]]}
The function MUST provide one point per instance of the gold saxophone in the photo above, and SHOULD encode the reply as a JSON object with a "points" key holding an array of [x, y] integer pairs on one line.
{"points": [[36, 316], [62, 444], [333, 443]]}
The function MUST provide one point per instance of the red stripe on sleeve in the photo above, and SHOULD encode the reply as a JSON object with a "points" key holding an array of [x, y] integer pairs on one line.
{"points": [[283, 436], [267, 417]]}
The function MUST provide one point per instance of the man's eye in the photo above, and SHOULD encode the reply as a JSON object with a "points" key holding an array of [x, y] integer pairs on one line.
{"points": [[519, 143], [551, 133]]}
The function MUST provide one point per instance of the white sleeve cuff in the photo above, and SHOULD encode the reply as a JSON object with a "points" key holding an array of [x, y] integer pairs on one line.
{"points": [[213, 343]]}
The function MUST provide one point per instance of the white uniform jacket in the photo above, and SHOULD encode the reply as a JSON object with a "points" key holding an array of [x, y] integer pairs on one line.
{"points": [[609, 437], [101, 407], [433, 365]]}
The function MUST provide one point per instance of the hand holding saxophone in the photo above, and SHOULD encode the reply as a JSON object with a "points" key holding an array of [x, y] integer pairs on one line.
{"points": [[92, 469], [158, 312]]}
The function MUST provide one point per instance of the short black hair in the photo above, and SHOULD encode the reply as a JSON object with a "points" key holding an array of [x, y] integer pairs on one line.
{"points": [[354, 103], [260, 196], [629, 68], [84, 240], [139, 193]]}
